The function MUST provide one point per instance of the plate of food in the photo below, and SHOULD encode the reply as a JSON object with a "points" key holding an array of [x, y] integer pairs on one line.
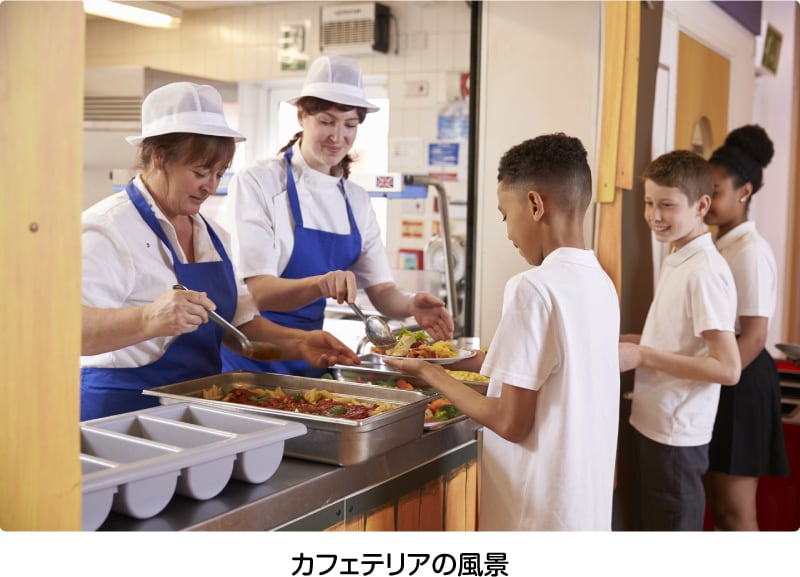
{"points": [[441, 412], [417, 345], [792, 352]]}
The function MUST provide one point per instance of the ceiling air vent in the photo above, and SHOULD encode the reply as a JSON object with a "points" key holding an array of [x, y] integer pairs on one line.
{"points": [[355, 28]]}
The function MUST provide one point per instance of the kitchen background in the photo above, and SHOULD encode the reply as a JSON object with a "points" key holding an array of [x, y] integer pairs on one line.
{"points": [[256, 54], [527, 88]]}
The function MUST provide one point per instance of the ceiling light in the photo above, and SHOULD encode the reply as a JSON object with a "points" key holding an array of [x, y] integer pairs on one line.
{"points": [[153, 14]]}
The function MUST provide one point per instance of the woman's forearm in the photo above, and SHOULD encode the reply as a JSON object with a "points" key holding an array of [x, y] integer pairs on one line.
{"points": [[280, 295], [105, 330], [390, 301]]}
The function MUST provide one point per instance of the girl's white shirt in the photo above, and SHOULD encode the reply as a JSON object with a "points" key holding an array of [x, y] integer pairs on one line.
{"points": [[754, 269]]}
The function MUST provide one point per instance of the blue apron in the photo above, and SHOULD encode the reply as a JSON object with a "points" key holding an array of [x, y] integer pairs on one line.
{"points": [[192, 355], [315, 252]]}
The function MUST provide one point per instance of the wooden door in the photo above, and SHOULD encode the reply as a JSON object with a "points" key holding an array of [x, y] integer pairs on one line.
{"points": [[41, 150], [701, 108]]}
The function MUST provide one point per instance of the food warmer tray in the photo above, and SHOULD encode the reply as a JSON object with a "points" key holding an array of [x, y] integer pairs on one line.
{"points": [[135, 462], [330, 440], [373, 369]]}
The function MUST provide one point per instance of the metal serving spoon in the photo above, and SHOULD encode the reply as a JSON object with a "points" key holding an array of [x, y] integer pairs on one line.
{"points": [[256, 350], [378, 331]]}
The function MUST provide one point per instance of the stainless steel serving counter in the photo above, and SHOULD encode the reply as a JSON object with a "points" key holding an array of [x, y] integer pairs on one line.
{"points": [[298, 488]]}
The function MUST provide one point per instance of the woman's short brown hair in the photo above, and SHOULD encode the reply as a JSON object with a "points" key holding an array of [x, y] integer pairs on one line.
{"points": [[187, 148]]}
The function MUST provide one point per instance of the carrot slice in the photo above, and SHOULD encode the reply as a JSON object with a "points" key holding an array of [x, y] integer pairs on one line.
{"points": [[436, 403]]}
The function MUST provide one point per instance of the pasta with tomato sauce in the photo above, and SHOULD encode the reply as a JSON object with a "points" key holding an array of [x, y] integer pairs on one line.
{"points": [[313, 402]]}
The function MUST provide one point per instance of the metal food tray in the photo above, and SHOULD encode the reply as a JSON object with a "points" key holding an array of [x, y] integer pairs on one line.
{"points": [[373, 369], [330, 440], [369, 376]]}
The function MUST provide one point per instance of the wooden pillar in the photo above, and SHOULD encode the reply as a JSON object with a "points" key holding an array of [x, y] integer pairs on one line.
{"points": [[792, 286], [41, 153], [631, 46]]}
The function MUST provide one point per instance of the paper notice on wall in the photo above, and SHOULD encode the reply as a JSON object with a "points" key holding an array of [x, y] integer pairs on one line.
{"points": [[443, 153], [412, 229], [447, 161], [410, 259], [445, 176], [292, 51], [406, 154], [453, 121]]}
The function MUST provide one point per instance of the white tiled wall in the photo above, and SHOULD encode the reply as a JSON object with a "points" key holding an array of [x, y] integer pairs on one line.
{"points": [[429, 43], [241, 43]]}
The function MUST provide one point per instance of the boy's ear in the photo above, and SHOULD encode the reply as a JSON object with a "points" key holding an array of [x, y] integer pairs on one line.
{"points": [[535, 204], [703, 204]]}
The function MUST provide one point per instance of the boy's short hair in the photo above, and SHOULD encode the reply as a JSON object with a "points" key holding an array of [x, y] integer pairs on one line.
{"points": [[554, 164], [682, 169]]}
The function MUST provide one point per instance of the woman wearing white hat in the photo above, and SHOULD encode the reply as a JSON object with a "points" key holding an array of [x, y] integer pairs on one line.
{"points": [[303, 233], [139, 332]]}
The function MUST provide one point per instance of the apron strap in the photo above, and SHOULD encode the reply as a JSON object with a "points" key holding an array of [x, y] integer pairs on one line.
{"points": [[291, 190], [150, 218]]}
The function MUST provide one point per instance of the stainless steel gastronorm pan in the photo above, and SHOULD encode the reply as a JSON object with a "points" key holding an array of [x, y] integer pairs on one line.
{"points": [[373, 370], [328, 439]]}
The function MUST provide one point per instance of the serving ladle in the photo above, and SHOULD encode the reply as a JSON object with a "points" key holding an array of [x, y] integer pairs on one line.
{"points": [[378, 331], [256, 350]]}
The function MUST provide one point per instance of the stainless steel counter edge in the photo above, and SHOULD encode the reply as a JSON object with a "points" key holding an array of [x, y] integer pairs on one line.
{"points": [[297, 489]]}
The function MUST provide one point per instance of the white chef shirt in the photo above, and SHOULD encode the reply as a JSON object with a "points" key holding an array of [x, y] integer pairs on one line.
{"points": [[259, 218], [754, 271], [126, 265], [558, 335], [695, 293]]}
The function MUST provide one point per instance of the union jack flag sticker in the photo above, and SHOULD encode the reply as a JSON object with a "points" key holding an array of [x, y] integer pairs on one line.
{"points": [[384, 182]]}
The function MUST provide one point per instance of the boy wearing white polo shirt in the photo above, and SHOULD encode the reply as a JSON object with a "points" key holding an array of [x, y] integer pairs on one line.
{"points": [[551, 412], [687, 348]]}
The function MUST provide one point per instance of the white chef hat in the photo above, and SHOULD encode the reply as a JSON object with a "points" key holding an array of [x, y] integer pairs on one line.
{"points": [[335, 79], [184, 107]]}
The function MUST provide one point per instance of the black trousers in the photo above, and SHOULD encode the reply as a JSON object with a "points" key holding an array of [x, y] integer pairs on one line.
{"points": [[672, 497]]}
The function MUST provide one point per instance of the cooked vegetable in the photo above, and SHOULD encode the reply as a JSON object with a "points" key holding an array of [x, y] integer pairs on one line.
{"points": [[405, 385], [446, 412], [436, 403], [405, 341], [411, 347]]}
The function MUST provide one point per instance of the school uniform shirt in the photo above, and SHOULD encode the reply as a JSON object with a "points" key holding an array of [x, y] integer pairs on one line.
{"points": [[257, 214], [558, 335], [754, 271], [125, 265], [695, 293]]}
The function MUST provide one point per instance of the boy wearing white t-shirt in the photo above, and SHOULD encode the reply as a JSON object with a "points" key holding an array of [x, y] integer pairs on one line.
{"points": [[687, 348], [551, 412]]}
